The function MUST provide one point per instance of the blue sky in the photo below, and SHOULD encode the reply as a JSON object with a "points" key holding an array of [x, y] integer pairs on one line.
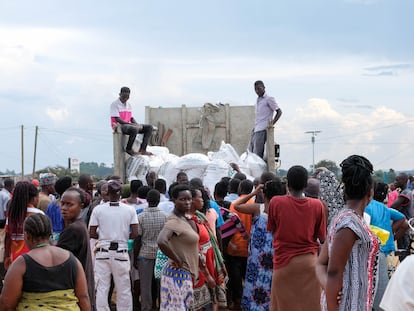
{"points": [[344, 67]]}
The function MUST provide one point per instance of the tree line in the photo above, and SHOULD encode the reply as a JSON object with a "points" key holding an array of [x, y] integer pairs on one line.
{"points": [[99, 171]]}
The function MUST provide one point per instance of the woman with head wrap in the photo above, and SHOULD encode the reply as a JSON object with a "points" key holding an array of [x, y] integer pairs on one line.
{"points": [[329, 191]]}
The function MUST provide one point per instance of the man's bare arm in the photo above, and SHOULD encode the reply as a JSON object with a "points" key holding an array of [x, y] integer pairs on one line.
{"points": [[277, 116]]}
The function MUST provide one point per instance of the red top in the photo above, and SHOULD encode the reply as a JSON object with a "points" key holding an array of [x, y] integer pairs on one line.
{"points": [[296, 225], [207, 250]]}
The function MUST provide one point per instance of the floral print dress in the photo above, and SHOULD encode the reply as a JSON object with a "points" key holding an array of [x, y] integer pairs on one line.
{"points": [[360, 274], [258, 280]]}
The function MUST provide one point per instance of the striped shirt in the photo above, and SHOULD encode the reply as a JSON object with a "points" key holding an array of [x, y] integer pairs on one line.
{"points": [[232, 224]]}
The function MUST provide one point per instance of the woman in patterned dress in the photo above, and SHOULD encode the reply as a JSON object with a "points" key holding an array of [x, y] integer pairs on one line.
{"points": [[258, 280], [347, 263], [178, 240]]}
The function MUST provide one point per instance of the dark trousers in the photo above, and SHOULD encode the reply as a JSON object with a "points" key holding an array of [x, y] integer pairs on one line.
{"points": [[403, 243], [257, 142], [2, 274], [236, 268], [132, 130], [146, 274]]}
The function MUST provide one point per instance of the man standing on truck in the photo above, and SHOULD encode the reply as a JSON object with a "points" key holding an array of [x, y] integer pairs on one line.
{"points": [[265, 108], [121, 113]]}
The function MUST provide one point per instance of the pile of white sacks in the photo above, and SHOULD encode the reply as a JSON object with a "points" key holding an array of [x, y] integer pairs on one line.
{"points": [[210, 168]]}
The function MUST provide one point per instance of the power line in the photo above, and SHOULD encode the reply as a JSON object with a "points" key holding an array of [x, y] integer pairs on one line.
{"points": [[97, 137], [393, 155], [51, 146]]}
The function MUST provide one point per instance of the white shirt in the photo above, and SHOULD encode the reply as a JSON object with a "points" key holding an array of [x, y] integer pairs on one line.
{"points": [[4, 199], [399, 294], [163, 198], [166, 207], [114, 223]]}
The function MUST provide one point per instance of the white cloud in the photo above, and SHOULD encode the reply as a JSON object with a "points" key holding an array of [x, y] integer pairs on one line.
{"points": [[73, 140], [22, 45], [376, 134], [57, 114], [317, 109]]}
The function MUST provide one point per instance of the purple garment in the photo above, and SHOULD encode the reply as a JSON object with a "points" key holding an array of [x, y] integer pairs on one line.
{"points": [[265, 107]]}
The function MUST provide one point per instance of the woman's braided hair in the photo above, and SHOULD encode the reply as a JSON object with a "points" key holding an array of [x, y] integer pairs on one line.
{"points": [[356, 176], [38, 226], [23, 193]]}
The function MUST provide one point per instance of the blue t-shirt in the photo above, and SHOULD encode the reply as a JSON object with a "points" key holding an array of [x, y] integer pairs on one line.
{"points": [[381, 216], [55, 216], [220, 220]]}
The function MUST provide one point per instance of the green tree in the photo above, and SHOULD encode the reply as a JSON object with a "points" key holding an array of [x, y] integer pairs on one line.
{"points": [[378, 176], [92, 168], [391, 175], [59, 171], [8, 172], [330, 165]]}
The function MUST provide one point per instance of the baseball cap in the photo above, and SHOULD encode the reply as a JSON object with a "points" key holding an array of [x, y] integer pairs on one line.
{"points": [[114, 186], [35, 182]]}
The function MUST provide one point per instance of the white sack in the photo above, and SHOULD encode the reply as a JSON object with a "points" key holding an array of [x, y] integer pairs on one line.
{"points": [[214, 172], [255, 163]]}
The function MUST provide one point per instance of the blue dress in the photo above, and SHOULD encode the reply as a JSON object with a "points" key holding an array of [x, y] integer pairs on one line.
{"points": [[258, 280]]}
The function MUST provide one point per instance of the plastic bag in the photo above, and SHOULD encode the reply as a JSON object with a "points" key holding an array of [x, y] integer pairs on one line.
{"points": [[382, 234]]}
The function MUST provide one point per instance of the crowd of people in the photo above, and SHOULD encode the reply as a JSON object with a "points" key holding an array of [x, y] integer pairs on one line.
{"points": [[304, 242]]}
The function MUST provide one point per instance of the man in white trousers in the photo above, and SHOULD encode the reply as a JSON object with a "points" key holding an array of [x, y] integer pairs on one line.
{"points": [[117, 222]]}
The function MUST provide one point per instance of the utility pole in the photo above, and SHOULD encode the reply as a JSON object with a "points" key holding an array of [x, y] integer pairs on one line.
{"points": [[314, 133], [34, 153], [271, 160], [22, 142]]}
